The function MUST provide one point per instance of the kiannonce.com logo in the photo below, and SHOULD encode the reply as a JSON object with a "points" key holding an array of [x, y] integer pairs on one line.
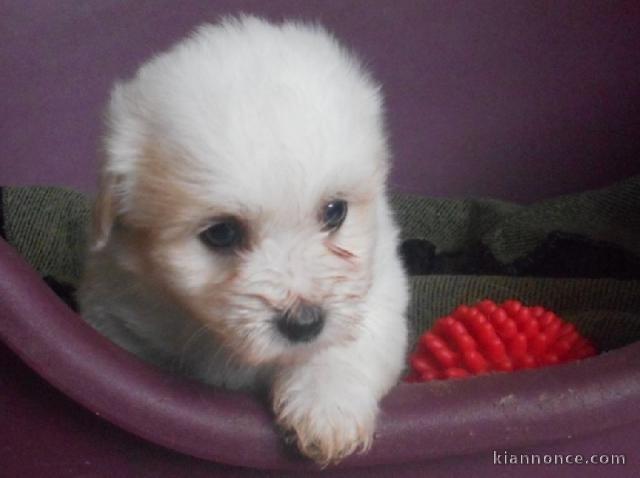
{"points": [[507, 458]]}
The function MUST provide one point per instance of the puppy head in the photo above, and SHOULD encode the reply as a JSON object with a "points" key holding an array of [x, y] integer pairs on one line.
{"points": [[244, 172]]}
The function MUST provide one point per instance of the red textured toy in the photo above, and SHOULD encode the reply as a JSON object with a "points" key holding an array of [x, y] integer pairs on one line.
{"points": [[490, 337]]}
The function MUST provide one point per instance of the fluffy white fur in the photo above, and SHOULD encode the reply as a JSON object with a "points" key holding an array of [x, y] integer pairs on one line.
{"points": [[266, 124]]}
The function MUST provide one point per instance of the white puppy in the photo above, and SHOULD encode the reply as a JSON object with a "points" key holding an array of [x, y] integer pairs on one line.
{"points": [[242, 233]]}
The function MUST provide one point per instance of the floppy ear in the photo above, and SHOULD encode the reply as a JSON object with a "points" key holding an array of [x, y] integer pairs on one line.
{"points": [[105, 210]]}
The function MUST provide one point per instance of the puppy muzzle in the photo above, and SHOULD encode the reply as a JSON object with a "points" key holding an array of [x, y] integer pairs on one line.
{"points": [[301, 323]]}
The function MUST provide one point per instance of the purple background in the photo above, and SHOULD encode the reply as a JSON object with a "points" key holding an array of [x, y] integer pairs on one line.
{"points": [[511, 99]]}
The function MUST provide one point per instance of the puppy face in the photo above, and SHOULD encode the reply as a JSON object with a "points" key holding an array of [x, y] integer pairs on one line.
{"points": [[243, 177]]}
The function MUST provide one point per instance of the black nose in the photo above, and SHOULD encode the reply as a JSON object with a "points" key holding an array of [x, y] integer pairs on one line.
{"points": [[301, 323]]}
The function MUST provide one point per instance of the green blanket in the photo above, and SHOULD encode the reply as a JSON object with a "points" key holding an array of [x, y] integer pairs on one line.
{"points": [[576, 255]]}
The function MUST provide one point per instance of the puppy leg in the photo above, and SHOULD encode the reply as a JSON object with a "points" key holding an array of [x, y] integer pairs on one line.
{"points": [[330, 402]]}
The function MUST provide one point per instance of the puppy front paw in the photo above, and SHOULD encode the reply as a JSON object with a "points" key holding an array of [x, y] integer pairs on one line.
{"points": [[327, 428]]}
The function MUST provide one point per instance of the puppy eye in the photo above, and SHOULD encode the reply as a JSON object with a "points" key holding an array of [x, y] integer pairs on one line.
{"points": [[333, 214], [224, 234]]}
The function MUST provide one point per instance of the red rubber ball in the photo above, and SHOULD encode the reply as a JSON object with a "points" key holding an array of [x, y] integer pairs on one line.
{"points": [[490, 337]]}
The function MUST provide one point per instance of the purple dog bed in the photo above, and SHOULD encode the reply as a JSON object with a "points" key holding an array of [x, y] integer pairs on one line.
{"points": [[561, 82], [418, 422]]}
